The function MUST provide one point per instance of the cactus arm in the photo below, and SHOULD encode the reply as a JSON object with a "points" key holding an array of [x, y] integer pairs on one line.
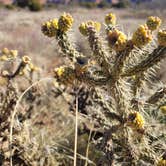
{"points": [[66, 46], [156, 56], [98, 50], [119, 63]]}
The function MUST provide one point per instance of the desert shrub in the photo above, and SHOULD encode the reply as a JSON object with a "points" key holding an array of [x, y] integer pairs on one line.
{"points": [[104, 4], [88, 4], [122, 4], [128, 127], [35, 5], [10, 7], [22, 3]]}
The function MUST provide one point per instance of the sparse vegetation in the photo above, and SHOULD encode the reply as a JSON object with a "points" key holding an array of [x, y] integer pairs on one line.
{"points": [[35, 5]]}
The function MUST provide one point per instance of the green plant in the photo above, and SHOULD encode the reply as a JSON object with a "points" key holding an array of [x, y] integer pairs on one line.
{"points": [[129, 128]]}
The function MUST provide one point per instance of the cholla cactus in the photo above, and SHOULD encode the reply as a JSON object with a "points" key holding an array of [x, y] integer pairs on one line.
{"points": [[9, 96], [128, 135]]}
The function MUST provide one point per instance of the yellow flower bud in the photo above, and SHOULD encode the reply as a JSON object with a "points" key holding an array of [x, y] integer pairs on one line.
{"points": [[5, 51], [5, 73], [163, 109], [136, 120], [117, 40], [50, 28], [13, 53], [110, 19], [26, 59], [142, 36], [153, 23], [162, 37], [33, 68], [65, 22], [161, 162], [3, 58], [3, 81], [83, 28], [65, 75]]}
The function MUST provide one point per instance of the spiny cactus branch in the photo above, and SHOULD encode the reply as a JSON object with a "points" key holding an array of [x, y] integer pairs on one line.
{"points": [[158, 95], [119, 63], [66, 46], [87, 78], [98, 50], [156, 56]]}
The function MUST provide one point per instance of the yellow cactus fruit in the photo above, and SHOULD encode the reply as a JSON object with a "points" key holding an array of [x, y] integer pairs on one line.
{"points": [[5, 51], [33, 68], [162, 38], [3, 58], [117, 40], [142, 36], [163, 109], [13, 53], [50, 28], [153, 23], [110, 18], [26, 59], [83, 28], [22, 72], [65, 75], [5, 73], [65, 22], [161, 162], [136, 120], [3, 81]]}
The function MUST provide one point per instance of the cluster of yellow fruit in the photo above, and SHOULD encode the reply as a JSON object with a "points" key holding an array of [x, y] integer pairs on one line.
{"points": [[28, 66], [83, 28], [65, 75], [50, 28], [153, 23], [136, 120], [161, 162], [64, 23], [110, 19], [143, 35], [7, 54], [162, 38], [117, 40]]}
